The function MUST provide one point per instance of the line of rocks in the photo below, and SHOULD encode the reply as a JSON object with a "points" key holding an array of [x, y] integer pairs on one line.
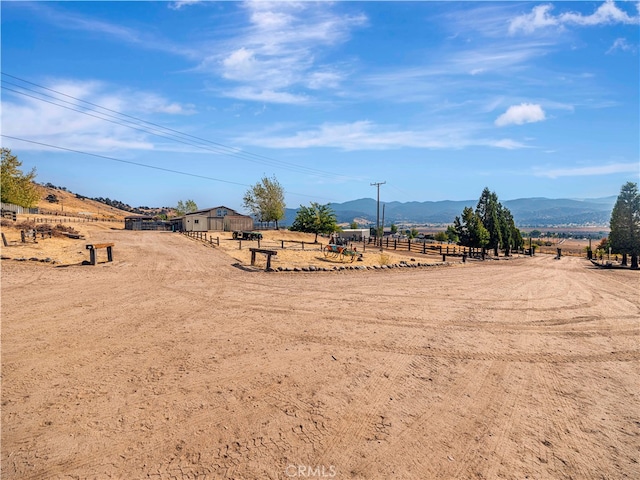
{"points": [[31, 259], [338, 268]]}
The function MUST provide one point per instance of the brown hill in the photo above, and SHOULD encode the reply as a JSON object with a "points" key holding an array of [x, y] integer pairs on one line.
{"points": [[55, 201]]}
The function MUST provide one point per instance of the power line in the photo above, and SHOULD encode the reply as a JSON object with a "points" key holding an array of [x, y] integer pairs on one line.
{"points": [[138, 164], [217, 147]]}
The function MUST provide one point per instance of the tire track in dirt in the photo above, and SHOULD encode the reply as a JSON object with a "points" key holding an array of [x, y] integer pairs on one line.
{"points": [[562, 428], [542, 357], [433, 428], [364, 411]]}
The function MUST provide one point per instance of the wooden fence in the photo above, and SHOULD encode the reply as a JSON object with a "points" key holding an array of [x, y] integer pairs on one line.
{"points": [[17, 208], [421, 247], [65, 219], [203, 236]]}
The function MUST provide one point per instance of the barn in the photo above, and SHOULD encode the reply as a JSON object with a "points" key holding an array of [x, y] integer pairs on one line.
{"points": [[221, 219]]}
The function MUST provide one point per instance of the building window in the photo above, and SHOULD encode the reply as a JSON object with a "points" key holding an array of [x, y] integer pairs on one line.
{"points": [[222, 212], [196, 221]]}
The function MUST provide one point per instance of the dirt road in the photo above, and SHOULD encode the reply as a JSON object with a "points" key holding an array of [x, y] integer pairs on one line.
{"points": [[172, 363]]}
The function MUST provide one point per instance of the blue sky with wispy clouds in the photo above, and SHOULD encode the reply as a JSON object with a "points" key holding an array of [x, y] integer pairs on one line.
{"points": [[153, 102]]}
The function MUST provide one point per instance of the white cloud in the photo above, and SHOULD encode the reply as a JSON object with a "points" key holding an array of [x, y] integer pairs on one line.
{"points": [[520, 114], [541, 17], [538, 18], [622, 44], [64, 126], [177, 5], [507, 144], [278, 52], [590, 171], [266, 96], [68, 20], [366, 135]]}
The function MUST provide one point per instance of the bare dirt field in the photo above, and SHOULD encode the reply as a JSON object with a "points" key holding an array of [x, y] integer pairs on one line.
{"points": [[171, 362]]}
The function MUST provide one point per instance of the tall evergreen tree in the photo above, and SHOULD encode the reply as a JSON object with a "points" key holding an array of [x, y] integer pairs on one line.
{"points": [[488, 212], [470, 230], [491, 225], [510, 235], [625, 223]]}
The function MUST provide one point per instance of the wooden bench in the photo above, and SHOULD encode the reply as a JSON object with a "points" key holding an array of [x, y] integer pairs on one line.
{"points": [[268, 253], [94, 247]]}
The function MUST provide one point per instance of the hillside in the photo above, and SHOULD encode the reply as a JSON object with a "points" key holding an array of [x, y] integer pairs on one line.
{"points": [[530, 212], [527, 212], [68, 203]]}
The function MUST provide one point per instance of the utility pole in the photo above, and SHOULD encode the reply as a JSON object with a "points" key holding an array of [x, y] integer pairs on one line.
{"points": [[378, 212], [382, 236]]}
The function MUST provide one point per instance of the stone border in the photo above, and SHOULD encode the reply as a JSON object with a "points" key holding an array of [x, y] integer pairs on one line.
{"points": [[343, 268]]}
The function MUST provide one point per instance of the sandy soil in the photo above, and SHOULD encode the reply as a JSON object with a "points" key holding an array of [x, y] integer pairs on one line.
{"points": [[171, 362]]}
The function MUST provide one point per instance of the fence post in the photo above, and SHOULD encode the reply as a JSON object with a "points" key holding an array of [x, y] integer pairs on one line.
{"points": [[395, 243], [408, 245], [303, 245], [424, 247], [239, 244]]}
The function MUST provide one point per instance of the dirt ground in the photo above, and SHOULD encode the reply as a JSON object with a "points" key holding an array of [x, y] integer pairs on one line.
{"points": [[173, 361]]}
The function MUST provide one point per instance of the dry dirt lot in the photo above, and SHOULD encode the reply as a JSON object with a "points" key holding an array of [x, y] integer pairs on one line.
{"points": [[171, 362]]}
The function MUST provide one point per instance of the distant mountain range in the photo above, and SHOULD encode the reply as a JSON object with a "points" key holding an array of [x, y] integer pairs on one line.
{"points": [[527, 212]]}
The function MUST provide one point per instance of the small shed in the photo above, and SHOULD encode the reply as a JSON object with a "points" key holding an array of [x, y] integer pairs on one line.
{"points": [[143, 222], [354, 234]]}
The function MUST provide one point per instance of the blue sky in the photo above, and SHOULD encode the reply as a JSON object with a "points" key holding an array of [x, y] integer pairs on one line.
{"points": [[437, 99]]}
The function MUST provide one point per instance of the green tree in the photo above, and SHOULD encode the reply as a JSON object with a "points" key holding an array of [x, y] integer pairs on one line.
{"points": [[186, 207], [394, 229], [470, 230], [315, 218], [509, 234], [488, 211], [265, 200], [16, 187], [441, 237], [353, 225], [452, 235], [625, 224]]}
